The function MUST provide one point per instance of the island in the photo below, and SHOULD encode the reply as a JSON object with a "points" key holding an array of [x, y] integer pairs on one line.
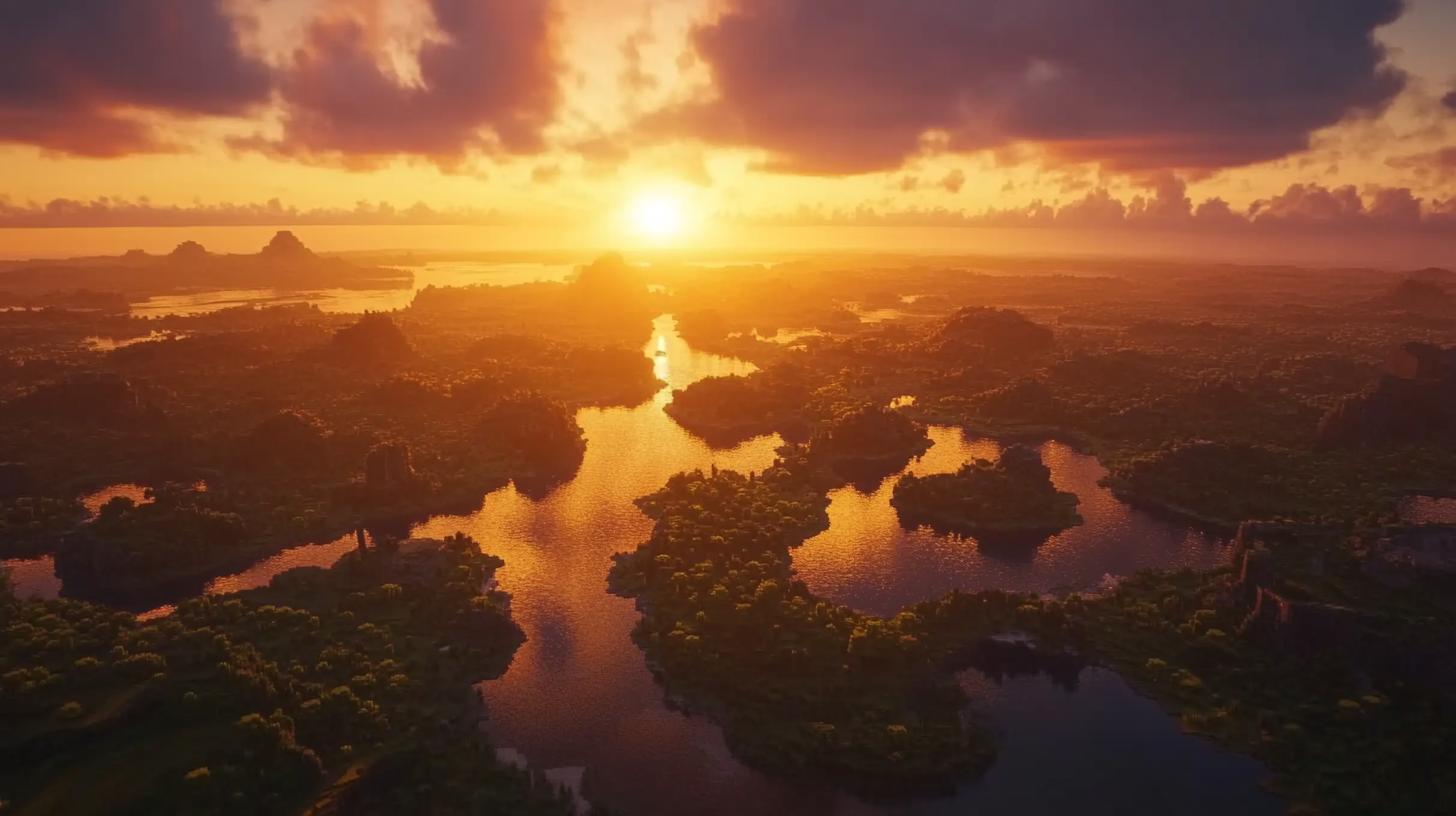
{"points": [[864, 444], [340, 690], [1013, 495]]}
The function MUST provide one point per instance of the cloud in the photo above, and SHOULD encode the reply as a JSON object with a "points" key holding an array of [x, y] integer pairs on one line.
{"points": [[1449, 100], [1309, 204], [115, 212], [1437, 166], [850, 86], [1304, 208], [953, 181], [81, 76], [487, 82]]}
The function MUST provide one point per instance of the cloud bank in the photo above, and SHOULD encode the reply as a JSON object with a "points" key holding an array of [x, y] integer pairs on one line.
{"points": [[487, 81], [78, 76], [823, 86], [1310, 208], [850, 86], [1305, 208], [92, 77]]}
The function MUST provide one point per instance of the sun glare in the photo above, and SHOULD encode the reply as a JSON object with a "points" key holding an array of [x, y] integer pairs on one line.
{"points": [[658, 216]]}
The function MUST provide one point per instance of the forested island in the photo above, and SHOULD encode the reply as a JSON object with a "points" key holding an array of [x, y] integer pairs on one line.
{"points": [[346, 689], [1012, 496]]}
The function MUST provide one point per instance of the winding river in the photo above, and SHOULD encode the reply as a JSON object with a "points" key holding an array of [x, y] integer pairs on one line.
{"points": [[578, 694]]}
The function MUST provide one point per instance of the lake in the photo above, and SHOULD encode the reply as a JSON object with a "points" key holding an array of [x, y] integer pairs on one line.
{"points": [[578, 694]]}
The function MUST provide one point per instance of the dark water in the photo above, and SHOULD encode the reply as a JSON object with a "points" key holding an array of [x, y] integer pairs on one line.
{"points": [[1101, 749], [578, 693]]}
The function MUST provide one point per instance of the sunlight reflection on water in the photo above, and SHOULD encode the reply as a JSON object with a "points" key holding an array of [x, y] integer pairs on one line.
{"points": [[579, 694], [1428, 510], [868, 561]]}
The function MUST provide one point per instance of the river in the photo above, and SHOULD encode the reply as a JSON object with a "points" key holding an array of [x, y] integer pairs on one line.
{"points": [[578, 694]]}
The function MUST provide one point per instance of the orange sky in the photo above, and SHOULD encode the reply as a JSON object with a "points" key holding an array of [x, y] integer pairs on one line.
{"points": [[544, 113]]}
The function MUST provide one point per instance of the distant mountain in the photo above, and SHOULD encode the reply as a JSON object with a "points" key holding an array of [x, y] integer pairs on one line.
{"points": [[1414, 401], [1422, 293], [1435, 274], [285, 263]]}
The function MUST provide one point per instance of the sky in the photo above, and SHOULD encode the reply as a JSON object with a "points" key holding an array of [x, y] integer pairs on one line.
{"points": [[1310, 116]]}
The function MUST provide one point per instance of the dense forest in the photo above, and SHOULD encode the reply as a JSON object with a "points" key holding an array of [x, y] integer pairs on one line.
{"points": [[1292, 410]]}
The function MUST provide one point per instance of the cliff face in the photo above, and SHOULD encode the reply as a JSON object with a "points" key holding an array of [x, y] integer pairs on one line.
{"points": [[387, 468], [1414, 401]]}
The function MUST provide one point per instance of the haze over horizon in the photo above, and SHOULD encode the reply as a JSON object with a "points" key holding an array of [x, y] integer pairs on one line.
{"points": [[1308, 132]]}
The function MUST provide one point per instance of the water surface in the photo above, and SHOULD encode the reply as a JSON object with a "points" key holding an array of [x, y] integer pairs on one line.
{"points": [[1101, 749], [1428, 510], [578, 694], [867, 560]]}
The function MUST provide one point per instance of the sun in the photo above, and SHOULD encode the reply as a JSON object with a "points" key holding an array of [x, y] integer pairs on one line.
{"points": [[658, 216]]}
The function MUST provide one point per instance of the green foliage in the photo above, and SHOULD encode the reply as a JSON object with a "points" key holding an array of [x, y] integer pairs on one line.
{"points": [[537, 436], [1309, 713], [373, 655], [1013, 495], [801, 684]]}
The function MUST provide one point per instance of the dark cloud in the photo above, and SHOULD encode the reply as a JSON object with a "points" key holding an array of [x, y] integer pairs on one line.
{"points": [[488, 82], [74, 72], [1449, 100], [847, 86]]}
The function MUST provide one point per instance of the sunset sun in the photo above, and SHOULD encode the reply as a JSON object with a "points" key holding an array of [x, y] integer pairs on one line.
{"points": [[657, 216]]}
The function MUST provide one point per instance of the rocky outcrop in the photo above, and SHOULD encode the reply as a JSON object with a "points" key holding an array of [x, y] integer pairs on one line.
{"points": [[1299, 625], [188, 252], [387, 468], [287, 247], [1273, 618], [1414, 402], [1256, 570]]}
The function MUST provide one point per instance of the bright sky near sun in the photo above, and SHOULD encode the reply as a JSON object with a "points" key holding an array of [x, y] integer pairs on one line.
{"points": [[665, 118]]}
